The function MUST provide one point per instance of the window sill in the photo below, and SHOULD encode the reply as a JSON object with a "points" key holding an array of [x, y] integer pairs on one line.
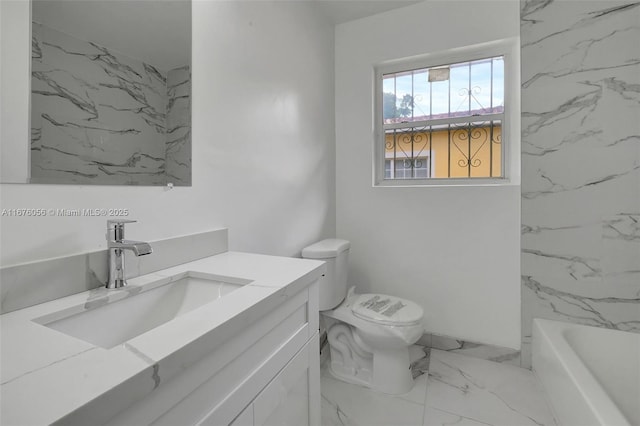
{"points": [[443, 182]]}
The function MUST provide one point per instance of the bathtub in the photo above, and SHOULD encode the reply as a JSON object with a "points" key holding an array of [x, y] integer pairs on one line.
{"points": [[591, 375]]}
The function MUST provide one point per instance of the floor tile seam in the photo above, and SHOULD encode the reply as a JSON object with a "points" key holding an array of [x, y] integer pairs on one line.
{"points": [[420, 404], [429, 355], [426, 393], [373, 392], [402, 396], [506, 407], [378, 394], [453, 413], [474, 376], [526, 379], [493, 395], [411, 403], [438, 353], [396, 397], [336, 407]]}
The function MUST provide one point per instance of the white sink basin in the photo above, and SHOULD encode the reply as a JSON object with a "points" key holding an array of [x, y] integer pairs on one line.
{"points": [[112, 322]]}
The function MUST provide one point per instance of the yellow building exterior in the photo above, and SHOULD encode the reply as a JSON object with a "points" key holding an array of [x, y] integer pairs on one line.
{"points": [[453, 152]]}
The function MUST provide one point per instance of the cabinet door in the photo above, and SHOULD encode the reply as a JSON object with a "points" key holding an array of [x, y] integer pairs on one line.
{"points": [[293, 396]]}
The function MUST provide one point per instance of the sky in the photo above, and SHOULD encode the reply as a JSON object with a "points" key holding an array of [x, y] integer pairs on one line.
{"points": [[452, 95]]}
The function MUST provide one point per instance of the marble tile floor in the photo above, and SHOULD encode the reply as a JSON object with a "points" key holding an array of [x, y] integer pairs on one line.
{"points": [[455, 390]]}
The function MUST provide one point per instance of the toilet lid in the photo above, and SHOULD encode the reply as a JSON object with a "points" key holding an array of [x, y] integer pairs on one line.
{"points": [[389, 310]]}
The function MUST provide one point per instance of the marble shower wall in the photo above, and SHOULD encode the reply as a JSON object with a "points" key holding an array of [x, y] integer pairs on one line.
{"points": [[100, 117], [178, 149], [580, 164]]}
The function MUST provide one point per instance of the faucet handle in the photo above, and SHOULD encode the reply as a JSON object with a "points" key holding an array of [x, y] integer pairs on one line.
{"points": [[115, 222], [115, 229]]}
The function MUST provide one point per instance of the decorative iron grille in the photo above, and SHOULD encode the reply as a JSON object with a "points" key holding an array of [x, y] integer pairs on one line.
{"points": [[445, 121]]}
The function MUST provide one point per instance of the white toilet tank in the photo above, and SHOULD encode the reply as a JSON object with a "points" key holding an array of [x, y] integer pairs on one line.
{"points": [[333, 285]]}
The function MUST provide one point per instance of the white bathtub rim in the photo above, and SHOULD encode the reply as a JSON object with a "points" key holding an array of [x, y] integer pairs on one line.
{"points": [[597, 399]]}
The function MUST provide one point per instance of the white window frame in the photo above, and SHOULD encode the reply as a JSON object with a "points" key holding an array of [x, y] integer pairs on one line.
{"points": [[509, 49]]}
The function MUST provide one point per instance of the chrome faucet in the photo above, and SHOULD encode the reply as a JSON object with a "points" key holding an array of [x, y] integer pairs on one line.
{"points": [[116, 245]]}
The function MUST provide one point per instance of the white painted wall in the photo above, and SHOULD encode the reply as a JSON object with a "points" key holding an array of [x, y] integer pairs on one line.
{"points": [[453, 250], [263, 140]]}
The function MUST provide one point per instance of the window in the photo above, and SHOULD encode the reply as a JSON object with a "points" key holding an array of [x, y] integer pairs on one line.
{"points": [[417, 167], [440, 120]]}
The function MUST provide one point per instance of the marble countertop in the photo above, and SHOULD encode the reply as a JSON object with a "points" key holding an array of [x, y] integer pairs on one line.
{"points": [[46, 375]]}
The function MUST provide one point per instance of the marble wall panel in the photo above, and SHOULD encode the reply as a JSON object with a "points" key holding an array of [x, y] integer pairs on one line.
{"points": [[100, 117], [580, 163], [621, 250], [178, 140]]}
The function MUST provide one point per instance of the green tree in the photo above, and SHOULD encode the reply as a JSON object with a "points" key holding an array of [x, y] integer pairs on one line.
{"points": [[406, 106], [391, 109]]}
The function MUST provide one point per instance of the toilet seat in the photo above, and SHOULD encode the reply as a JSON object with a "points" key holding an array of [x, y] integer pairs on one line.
{"points": [[386, 310]]}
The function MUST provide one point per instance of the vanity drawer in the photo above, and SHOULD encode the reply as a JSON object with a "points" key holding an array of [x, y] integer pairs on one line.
{"points": [[292, 398], [289, 399]]}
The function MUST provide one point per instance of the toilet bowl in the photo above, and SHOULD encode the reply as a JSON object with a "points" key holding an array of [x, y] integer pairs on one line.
{"points": [[369, 334], [370, 348]]}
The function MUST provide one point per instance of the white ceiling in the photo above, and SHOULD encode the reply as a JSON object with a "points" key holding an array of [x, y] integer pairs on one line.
{"points": [[339, 11], [158, 32]]}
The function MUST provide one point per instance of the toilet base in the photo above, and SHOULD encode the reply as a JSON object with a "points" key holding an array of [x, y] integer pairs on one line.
{"points": [[392, 371], [392, 375], [353, 361]]}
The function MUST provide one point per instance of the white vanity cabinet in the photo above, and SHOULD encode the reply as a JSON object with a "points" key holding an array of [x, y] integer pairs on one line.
{"points": [[289, 399], [266, 372], [226, 339]]}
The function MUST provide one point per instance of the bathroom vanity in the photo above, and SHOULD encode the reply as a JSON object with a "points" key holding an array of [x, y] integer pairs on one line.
{"points": [[228, 339]]}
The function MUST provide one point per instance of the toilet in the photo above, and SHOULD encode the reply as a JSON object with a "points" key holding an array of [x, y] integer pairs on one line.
{"points": [[369, 335]]}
